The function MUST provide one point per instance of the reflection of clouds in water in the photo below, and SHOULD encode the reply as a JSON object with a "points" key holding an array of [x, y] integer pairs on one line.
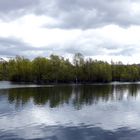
{"points": [[40, 112], [29, 123]]}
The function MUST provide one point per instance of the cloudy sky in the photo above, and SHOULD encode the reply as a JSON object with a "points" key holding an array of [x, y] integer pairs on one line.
{"points": [[101, 29]]}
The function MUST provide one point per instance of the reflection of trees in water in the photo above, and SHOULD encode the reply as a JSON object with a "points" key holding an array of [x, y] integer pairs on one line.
{"points": [[126, 91], [91, 95], [40, 96], [76, 95]]}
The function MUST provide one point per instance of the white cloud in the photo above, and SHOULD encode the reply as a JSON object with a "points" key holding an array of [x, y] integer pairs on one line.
{"points": [[110, 31]]}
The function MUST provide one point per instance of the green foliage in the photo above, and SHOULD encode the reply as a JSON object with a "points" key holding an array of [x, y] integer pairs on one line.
{"points": [[56, 69], [19, 69], [39, 67]]}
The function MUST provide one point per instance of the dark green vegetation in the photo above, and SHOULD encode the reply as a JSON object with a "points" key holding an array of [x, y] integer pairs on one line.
{"points": [[78, 96], [56, 69]]}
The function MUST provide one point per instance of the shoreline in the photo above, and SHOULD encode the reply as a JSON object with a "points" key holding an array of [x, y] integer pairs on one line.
{"points": [[72, 83]]}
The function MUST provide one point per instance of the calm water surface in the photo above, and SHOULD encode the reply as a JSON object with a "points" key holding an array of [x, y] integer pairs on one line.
{"points": [[91, 112]]}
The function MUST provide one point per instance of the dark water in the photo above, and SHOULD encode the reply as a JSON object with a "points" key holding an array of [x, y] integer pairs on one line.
{"points": [[91, 112]]}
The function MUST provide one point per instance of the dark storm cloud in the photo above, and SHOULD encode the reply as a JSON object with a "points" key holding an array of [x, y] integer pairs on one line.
{"points": [[13, 47], [10, 47], [10, 9], [71, 14], [104, 48], [13, 5], [83, 14], [87, 14]]}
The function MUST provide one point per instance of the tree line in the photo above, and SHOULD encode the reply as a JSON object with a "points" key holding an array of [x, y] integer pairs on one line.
{"points": [[56, 69], [77, 96]]}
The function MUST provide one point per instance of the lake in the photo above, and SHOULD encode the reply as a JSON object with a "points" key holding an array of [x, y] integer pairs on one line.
{"points": [[70, 112]]}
